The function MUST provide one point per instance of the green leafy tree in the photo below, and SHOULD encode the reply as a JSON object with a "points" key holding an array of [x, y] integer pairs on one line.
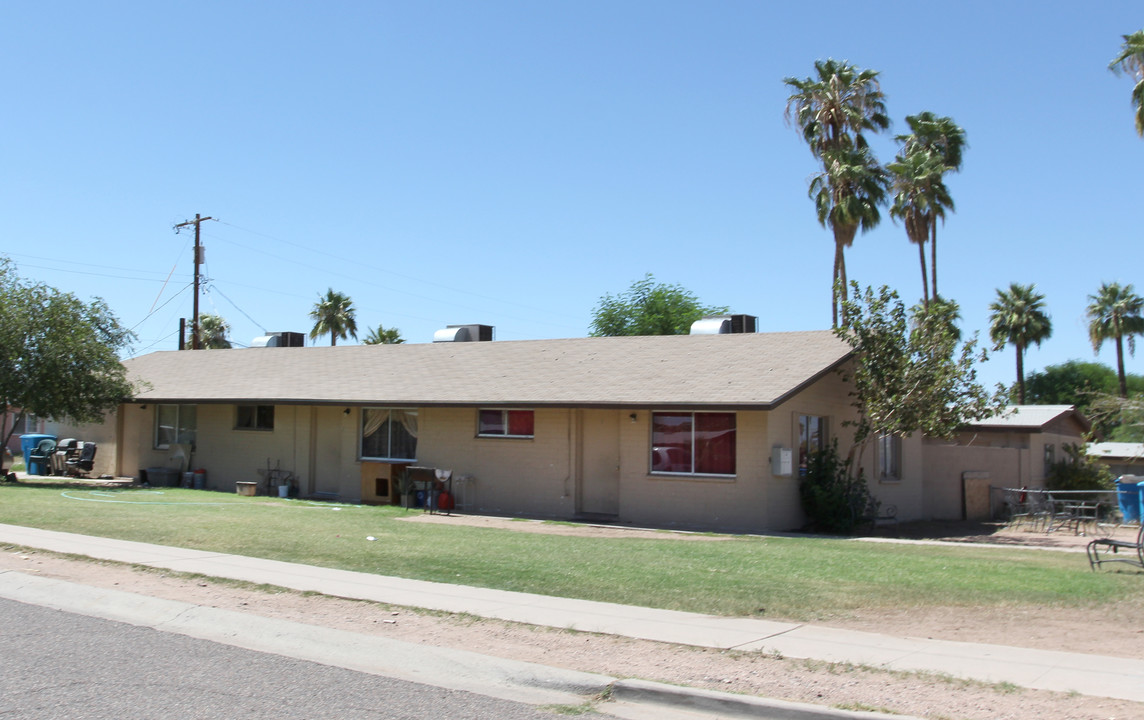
{"points": [[911, 374], [941, 310], [1018, 317], [383, 336], [1114, 313], [214, 329], [334, 315], [833, 109], [1073, 382], [649, 308], [1087, 386], [937, 137], [1131, 61], [1124, 415], [58, 354]]}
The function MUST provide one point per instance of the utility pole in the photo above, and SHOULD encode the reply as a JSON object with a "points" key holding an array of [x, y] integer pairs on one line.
{"points": [[195, 345]]}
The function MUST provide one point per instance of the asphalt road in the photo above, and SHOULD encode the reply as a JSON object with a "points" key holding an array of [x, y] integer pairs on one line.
{"points": [[57, 665]]}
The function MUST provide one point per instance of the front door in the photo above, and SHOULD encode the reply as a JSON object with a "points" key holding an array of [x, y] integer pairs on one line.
{"points": [[600, 462], [326, 455]]}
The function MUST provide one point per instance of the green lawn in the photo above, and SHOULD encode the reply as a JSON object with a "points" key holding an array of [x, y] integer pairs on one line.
{"points": [[795, 578]]}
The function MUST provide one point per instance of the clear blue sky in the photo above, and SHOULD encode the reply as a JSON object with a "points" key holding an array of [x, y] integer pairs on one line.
{"points": [[509, 163]]}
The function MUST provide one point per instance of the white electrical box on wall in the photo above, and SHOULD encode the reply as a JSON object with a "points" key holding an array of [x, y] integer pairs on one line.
{"points": [[781, 461]]}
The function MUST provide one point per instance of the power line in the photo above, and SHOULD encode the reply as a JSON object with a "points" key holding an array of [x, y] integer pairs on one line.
{"points": [[157, 309], [214, 288], [357, 262], [80, 262]]}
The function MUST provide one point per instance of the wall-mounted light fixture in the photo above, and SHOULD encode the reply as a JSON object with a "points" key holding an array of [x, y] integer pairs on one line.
{"points": [[142, 407], [346, 411], [633, 417]]}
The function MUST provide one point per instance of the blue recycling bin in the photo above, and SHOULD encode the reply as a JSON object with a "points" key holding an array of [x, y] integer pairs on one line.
{"points": [[28, 445], [1128, 495]]}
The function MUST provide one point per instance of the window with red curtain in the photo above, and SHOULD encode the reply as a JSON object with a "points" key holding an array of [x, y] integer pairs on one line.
{"points": [[693, 443], [505, 423], [715, 443]]}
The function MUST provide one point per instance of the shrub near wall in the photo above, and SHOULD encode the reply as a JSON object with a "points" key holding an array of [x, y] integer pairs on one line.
{"points": [[833, 498], [1077, 472]]}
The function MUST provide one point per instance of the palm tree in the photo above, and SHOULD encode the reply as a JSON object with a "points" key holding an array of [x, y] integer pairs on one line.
{"points": [[1018, 317], [945, 139], [919, 197], [846, 196], [381, 336], [1114, 313], [1131, 61], [334, 314], [213, 330], [833, 109]]}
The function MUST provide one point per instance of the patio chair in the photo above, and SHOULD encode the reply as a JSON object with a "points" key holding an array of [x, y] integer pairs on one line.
{"points": [[42, 454], [80, 466], [1041, 510]]}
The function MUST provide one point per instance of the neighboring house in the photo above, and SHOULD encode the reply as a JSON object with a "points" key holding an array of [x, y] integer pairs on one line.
{"points": [[23, 425], [669, 431], [1122, 458], [1014, 450]]}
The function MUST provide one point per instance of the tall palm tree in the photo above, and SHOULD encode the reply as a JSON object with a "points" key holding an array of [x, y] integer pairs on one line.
{"points": [[942, 137], [1131, 61], [846, 196], [334, 314], [919, 197], [213, 330], [1114, 313], [1018, 317], [382, 336], [833, 109]]}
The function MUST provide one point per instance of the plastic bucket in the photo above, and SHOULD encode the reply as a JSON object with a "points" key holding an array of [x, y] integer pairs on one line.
{"points": [[283, 491], [1128, 496]]}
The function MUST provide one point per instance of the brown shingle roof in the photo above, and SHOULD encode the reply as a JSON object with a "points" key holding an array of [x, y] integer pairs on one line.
{"points": [[748, 370]]}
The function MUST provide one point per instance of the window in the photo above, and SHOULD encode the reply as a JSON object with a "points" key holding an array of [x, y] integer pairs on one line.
{"points": [[254, 417], [174, 424], [811, 439], [388, 434], [889, 457], [693, 443], [505, 423]]}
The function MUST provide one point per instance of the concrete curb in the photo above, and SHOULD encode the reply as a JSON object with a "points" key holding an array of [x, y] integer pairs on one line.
{"points": [[727, 704]]}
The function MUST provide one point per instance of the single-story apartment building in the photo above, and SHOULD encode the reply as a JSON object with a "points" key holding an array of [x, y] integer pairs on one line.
{"points": [[705, 431], [698, 431]]}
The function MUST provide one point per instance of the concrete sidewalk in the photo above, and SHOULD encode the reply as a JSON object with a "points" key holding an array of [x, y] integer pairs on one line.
{"points": [[1101, 676]]}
